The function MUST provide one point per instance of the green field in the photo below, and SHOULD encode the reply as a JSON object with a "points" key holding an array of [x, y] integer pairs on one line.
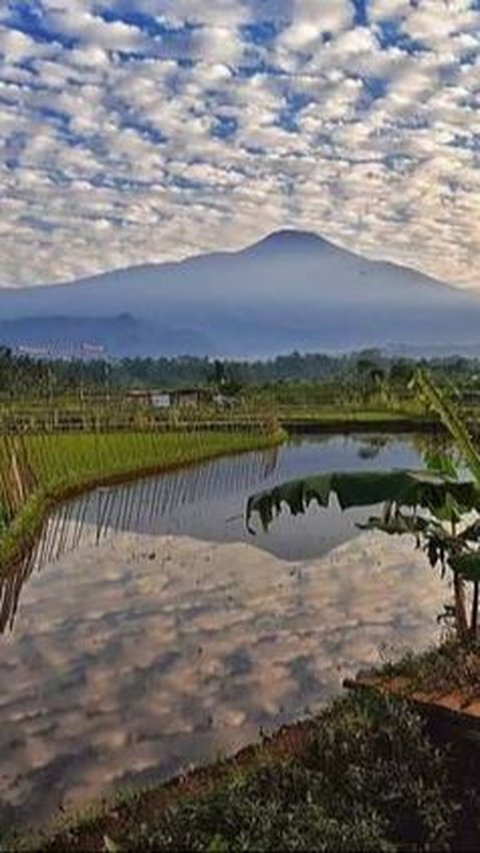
{"points": [[65, 461], [38, 470], [320, 415]]}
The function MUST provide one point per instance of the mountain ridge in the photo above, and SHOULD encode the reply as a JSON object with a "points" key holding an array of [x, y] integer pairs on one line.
{"points": [[290, 290], [287, 238]]}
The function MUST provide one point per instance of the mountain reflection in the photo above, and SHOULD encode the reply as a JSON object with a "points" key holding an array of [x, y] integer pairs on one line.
{"points": [[132, 659]]}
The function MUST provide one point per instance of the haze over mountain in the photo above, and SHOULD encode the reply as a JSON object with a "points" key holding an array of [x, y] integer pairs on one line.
{"points": [[292, 290]]}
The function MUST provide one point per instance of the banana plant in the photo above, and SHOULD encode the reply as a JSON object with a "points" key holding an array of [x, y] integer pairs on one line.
{"points": [[435, 505]]}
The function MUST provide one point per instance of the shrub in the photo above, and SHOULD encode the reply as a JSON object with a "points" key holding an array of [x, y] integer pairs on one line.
{"points": [[370, 781]]}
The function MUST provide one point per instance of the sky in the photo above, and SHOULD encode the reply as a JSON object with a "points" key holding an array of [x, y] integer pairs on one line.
{"points": [[143, 131]]}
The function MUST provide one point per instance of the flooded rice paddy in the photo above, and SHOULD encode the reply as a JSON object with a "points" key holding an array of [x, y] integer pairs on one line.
{"points": [[150, 631]]}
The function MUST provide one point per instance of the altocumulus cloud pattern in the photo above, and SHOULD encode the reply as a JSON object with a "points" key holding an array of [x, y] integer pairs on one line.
{"points": [[148, 130]]}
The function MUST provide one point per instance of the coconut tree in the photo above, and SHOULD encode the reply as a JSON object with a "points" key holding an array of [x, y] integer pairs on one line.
{"points": [[440, 508]]}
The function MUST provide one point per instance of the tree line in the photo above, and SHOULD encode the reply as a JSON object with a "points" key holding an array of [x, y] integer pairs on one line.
{"points": [[23, 375]]}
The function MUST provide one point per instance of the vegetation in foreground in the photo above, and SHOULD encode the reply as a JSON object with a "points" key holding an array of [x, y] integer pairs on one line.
{"points": [[454, 666], [372, 775]]}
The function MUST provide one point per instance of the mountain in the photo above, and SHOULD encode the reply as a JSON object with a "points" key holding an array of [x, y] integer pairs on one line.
{"points": [[291, 290]]}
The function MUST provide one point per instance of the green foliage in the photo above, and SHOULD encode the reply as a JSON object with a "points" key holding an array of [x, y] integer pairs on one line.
{"points": [[50, 466], [371, 780], [367, 378], [457, 428], [365, 488], [375, 757]]}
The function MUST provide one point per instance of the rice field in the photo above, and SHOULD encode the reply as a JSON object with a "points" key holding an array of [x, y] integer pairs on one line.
{"points": [[36, 470]]}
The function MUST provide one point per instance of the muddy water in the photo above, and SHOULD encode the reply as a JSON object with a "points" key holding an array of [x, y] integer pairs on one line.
{"points": [[150, 631]]}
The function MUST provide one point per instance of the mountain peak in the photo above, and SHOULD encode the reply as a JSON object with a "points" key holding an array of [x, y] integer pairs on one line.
{"points": [[290, 240]]}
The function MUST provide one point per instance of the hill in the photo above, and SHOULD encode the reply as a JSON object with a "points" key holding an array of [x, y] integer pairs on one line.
{"points": [[291, 290]]}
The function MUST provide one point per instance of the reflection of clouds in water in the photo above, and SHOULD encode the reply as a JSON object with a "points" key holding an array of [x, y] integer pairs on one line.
{"points": [[132, 659], [135, 654]]}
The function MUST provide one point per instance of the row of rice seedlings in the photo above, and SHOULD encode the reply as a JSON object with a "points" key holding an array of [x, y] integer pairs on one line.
{"points": [[17, 479], [69, 459], [35, 469], [101, 511], [56, 462]]}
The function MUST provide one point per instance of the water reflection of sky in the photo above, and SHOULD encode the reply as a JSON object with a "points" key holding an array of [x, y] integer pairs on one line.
{"points": [[153, 632]]}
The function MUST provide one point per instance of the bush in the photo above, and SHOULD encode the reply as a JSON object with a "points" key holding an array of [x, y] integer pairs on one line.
{"points": [[373, 754], [371, 781]]}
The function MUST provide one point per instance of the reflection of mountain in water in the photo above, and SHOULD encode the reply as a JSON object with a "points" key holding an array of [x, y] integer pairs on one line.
{"points": [[141, 506]]}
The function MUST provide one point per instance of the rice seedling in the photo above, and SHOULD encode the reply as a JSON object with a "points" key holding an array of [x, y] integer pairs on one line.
{"points": [[38, 469]]}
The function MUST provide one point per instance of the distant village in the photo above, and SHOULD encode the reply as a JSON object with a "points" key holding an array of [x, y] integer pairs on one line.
{"points": [[66, 350]]}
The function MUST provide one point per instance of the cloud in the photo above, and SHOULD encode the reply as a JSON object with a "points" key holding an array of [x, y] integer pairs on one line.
{"points": [[133, 133]]}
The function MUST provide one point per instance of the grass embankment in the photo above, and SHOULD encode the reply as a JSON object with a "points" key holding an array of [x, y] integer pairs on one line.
{"points": [[453, 665], [55, 466], [67, 414], [344, 419], [445, 681], [367, 774]]}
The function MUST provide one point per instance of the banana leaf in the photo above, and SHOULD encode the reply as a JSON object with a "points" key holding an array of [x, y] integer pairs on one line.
{"points": [[397, 524], [364, 488], [467, 565], [438, 401]]}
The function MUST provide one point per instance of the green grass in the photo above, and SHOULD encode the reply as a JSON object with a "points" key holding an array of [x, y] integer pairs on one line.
{"points": [[450, 667], [371, 778], [326, 415], [70, 460], [57, 465]]}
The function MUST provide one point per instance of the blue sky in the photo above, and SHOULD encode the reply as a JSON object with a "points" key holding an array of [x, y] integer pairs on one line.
{"points": [[148, 130]]}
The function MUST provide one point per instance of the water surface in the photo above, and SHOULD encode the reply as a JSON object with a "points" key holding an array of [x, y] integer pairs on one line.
{"points": [[150, 631]]}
